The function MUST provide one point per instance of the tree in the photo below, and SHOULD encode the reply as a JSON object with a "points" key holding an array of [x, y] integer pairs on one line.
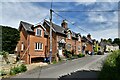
{"points": [[109, 40], [10, 37], [117, 41]]}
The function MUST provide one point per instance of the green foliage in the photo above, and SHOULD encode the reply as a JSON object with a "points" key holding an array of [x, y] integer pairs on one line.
{"points": [[10, 37], [68, 54], [18, 69], [75, 56], [117, 41], [5, 56], [23, 68], [2, 73], [111, 67], [81, 55]]}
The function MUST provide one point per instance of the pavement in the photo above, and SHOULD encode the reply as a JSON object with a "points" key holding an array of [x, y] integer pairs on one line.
{"points": [[35, 65], [85, 65]]}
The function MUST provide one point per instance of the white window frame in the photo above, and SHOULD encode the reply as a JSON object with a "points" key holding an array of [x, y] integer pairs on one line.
{"points": [[16, 49], [40, 33], [79, 48], [37, 46], [79, 38], [69, 36], [22, 46]]}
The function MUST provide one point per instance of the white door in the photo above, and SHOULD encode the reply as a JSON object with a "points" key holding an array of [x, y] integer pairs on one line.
{"points": [[60, 51]]}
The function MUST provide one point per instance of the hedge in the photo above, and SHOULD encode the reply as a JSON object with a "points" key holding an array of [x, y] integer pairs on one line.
{"points": [[111, 67]]}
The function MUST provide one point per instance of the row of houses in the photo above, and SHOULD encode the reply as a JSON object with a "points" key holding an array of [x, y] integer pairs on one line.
{"points": [[34, 41]]}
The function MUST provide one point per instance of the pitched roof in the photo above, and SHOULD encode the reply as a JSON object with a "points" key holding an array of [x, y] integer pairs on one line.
{"points": [[86, 39], [56, 28], [75, 35], [115, 44], [27, 26]]}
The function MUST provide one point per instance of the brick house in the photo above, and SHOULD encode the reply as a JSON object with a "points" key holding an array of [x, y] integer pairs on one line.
{"points": [[87, 44], [34, 41], [70, 40]]}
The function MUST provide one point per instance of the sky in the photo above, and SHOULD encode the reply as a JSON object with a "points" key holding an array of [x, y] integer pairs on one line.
{"points": [[103, 24]]}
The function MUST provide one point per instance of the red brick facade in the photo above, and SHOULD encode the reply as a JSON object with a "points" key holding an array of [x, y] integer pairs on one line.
{"points": [[29, 41]]}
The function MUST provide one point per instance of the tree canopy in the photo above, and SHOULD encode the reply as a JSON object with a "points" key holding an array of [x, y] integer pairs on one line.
{"points": [[117, 41], [10, 38]]}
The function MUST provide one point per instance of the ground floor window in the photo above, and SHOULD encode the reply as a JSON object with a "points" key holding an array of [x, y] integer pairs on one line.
{"points": [[68, 46], [38, 46]]}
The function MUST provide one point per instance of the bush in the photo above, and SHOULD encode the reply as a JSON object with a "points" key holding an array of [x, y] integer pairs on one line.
{"points": [[111, 67], [2, 73], [68, 54], [23, 68], [5, 56], [18, 69], [81, 55]]}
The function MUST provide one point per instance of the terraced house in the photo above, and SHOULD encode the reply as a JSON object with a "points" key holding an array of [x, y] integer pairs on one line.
{"points": [[34, 41]]}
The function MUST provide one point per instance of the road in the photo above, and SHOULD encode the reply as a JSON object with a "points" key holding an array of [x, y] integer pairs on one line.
{"points": [[55, 71]]}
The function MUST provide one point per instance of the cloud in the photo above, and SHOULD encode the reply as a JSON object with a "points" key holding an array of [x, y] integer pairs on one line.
{"points": [[14, 12], [1, 13], [96, 18], [60, 0], [108, 33]]}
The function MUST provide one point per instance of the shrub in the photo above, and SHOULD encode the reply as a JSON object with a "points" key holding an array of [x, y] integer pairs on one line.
{"points": [[75, 56], [2, 73], [81, 55], [111, 67], [23, 68], [18, 69], [68, 54], [5, 56]]}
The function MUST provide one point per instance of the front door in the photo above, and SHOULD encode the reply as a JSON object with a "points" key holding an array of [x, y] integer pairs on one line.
{"points": [[60, 51]]}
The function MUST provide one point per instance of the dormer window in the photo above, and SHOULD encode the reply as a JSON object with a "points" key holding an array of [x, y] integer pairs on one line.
{"points": [[38, 32], [69, 36]]}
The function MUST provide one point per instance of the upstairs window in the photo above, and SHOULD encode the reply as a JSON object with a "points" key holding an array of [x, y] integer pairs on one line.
{"points": [[38, 32], [69, 36], [38, 46], [78, 48]]}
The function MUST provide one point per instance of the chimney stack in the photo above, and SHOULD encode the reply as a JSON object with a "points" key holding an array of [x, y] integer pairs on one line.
{"points": [[64, 24], [89, 36]]}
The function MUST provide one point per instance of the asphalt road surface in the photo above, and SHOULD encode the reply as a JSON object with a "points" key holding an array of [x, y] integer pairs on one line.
{"points": [[88, 63]]}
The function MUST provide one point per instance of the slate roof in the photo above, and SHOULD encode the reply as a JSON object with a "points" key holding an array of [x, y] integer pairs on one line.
{"points": [[27, 26], [62, 30], [75, 35], [86, 39], [57, 28], [115, 44]]}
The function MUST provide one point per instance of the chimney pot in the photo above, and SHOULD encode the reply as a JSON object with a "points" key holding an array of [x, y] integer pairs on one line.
{"points": [[64, 24]]}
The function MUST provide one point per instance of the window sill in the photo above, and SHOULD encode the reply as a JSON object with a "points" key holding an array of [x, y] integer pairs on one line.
{"points": [[38, 35], [38, 50]]}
